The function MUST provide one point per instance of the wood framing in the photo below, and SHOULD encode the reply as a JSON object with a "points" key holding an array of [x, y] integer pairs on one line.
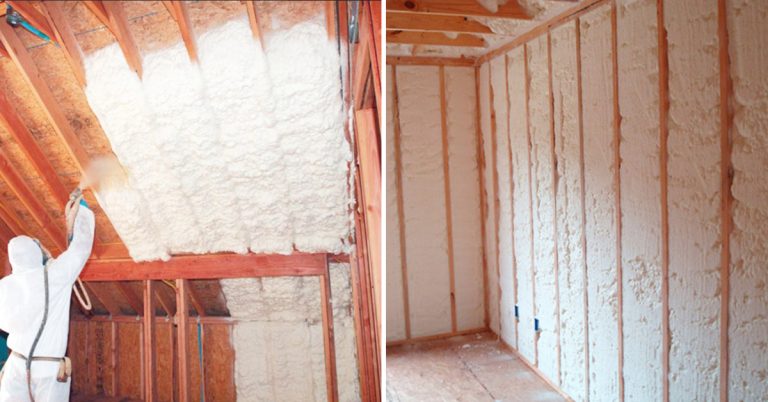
{"points": [[253, 20], [149, 343], [511, 9], [480, 154], [511, 197], [11, 220], [434, 38], [328, 338], [33, 17], [430, 61], [118, 24], [65, 36], [530, 197], [496, 200], [212, 266], [182, 339], [437, 337], [447, 192], [440, 23], [178, 11]]}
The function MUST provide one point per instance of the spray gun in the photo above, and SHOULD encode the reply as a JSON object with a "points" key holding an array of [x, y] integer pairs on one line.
{"points": [[14, 19]]}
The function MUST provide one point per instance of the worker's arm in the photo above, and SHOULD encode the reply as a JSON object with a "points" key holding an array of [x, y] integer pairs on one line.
{"points": [[73, 260]]}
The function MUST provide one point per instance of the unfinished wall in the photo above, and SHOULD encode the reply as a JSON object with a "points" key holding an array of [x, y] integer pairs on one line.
{"points": [[243, 151], [423, 195], [278, 338], [681, 153]]}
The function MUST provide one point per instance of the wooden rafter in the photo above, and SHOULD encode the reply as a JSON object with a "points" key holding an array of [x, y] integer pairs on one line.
{"points": [[434, 38], [512, 9], [132, 299], [196, 302], [104, 299], [178, 11], [182, 338], [13, 124], [65, 36], [11, 220], [43, 93], [213, 266], [428, 22], [330, 19], [166, 302], [34, 17], [97, 8], [253, 19], [111, 14]]}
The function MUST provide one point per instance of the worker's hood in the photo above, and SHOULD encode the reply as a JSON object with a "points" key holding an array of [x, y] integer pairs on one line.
{"points": [[24, 254]]}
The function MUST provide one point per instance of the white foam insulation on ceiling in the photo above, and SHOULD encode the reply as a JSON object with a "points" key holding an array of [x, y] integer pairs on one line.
{"points": [[243, 151], [504, 30]]}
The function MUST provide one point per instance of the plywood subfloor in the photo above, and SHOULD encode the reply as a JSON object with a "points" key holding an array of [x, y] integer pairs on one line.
{"points": [[466, 368]]}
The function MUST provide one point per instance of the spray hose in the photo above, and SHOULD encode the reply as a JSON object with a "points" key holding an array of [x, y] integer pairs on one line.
{"points": [[71, 213]]}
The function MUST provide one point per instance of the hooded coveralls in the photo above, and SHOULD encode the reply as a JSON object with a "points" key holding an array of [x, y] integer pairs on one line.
{"points": [[22, 300]]}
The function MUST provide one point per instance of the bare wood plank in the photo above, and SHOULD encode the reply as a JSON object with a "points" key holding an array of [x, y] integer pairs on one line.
{"points": [[42, 92], [212, 266], [133, 300], [150, 343], [511, 9], [178, 11], [166, 301], [66, 37], [530, 192], [34, 17], [97, 8], [253, 19], [480, 154], [441, 23], [726, 195], [434, 38], [182, 338], [119, 24], [328, 338], [400, 204], [447, 194], [104, 299], [495, 184], [195, 300], [511, 196], [430, 61], [31, 202]]}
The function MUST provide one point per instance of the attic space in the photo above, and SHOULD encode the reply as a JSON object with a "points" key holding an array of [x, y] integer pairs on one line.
{"points": [[236, 247], [580, 203]]}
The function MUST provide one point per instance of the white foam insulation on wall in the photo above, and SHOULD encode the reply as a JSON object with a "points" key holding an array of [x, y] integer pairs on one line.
{"points": [[748, 304], [521, 201], [465, 196], [505, 282], [395, 299], [569, 211], [640, 198], [418, 90], [599, 167], [694, 199], [543, 206], [492, 290], [243, 151], [279, 337]]}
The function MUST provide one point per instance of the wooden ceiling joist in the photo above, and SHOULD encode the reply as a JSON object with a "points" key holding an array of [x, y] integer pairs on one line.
{"points": [[66, 37], [212, 266], [253, 19], [178, 11], [11, 220], [430, 22], [119, 24], [32, 152], [434, 38], [512, 9], [43, 93]]}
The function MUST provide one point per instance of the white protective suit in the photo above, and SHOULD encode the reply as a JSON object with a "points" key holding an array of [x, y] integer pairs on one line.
{"points": [[22, 300]]}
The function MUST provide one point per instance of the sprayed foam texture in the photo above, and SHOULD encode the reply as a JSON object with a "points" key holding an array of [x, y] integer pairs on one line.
{"points": [[279, 337], [243, 151]]}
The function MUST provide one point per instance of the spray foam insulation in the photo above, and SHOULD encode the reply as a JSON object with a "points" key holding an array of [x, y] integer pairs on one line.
{"points": [[599, 167], [418, 90], [518, 134], [694, 199], [395, 301], [243, 151], [465, 198], [505, 310], [279, 337], [748, 329], [543, 205], [490, 214], [569, 219], [640, 198]]}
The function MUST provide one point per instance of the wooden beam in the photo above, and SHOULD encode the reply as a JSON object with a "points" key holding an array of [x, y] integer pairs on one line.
{"points": [[512, 9], [253, 19], [149, 343], [428, 22], [106, 300], [133, 300], [11, 220], [97, 8], [328, 337], [212, 266], [42, 92], [65, 36], [4, 52], [182, 338], [430, 61], [195, 300], [119, 23], [178, 11], [330, 19], [34, 17], [447, 195], [31, 202], [11, 121], [434, 38], [166, 302]]}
